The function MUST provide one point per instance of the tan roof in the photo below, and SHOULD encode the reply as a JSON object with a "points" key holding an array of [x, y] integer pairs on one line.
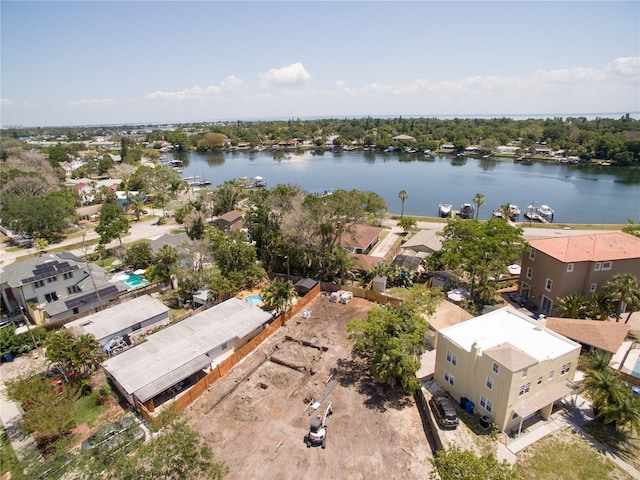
{"points": [[607, 336], [231, 216], [510, 356], [365, 262], [402, 136], [595, 247], [424, 241], [360, 236]]}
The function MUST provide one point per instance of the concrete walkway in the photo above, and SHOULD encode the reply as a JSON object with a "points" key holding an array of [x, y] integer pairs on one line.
{"points": [[386, 244]]}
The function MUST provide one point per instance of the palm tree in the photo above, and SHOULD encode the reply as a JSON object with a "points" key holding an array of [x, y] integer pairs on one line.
{"points": [[87, 353], [625, 290], [479, 200], [600, 306], [605, 389], [403, 195], [572, 306], [278, 296], [626, 412]]}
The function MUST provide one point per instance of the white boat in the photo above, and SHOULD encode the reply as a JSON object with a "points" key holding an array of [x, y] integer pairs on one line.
{"points": [[546, 212], [444, 210], [466, 210], [259, 182], [514, 213]]}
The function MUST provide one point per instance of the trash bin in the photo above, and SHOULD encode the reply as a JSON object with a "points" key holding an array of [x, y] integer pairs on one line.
{"points": [[469, 406], [463, 402], [7, 357]]}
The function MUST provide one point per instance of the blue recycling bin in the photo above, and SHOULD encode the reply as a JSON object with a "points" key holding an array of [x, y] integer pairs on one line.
{"points": [[469, 406]]}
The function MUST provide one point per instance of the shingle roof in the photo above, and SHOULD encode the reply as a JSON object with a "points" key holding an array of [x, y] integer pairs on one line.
{"points": [[360, 236], [607, 336], [511, 357], [597, 247]]}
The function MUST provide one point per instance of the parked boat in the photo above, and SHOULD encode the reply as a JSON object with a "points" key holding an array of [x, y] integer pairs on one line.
{"points": [[546, 212], [466, 210], [542, 214], [259, 182], [444, 210], [513, 213], [175, 163]]}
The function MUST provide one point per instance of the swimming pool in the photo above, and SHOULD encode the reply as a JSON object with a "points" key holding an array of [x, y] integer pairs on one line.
{"points": [[253, 299], [133, 281]]}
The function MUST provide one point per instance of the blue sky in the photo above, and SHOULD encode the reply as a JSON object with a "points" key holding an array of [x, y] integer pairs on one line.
{"points": [[105, 62]]}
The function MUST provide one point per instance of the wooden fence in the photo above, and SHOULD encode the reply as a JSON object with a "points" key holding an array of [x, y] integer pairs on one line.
{"points": [[374, 296], [219, 371]]}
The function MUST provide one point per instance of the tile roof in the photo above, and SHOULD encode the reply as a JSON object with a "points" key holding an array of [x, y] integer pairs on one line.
{"points": [[597, 247], [607, 336]]}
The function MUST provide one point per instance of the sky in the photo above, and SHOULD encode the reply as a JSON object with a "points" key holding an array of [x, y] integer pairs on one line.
{"points": [[108, 62]]}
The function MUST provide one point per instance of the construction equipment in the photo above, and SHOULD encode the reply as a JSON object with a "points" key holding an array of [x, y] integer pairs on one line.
{"points": [[318, 429]]}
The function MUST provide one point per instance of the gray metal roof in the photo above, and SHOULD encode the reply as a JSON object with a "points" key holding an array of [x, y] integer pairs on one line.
{"points": [[39, 268], [113, 320], [173, 354]]}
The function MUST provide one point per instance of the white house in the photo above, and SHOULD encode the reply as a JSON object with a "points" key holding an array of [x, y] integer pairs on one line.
{"points": [[180, 354]]}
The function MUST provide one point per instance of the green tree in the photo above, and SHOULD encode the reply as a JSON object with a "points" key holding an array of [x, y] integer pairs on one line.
{"points": [[139, 255], [163, 263], [41, 216], [403, 195], [457, 464], [278, 296], [113, 223], [478, 199], [392, 339], [407, 224], [482, 249], [624, 289], [137, 206], [48, 409], [81, 355], [176, 453], [573, 306]]}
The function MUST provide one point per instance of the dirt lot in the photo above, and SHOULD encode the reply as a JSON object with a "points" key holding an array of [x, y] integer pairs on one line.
{"points": [[255, 416]]}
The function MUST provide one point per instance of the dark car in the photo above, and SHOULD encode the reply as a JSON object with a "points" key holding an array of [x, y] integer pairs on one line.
{"points": [[445, 412], [114, 437]]}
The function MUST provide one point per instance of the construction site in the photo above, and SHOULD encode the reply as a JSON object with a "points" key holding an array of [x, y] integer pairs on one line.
{"points": [[301, 406]]}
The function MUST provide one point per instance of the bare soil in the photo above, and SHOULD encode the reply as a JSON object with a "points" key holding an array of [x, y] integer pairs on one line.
{"points": [[256, 420]]}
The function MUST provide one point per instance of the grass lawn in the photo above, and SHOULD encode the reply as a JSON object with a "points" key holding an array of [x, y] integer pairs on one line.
{"points": [[626, 446], [88, 411], [8, 458], [565, 456]]}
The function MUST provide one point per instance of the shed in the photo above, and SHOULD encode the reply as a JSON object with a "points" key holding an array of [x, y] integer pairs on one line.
{"points": [[305, 285]]}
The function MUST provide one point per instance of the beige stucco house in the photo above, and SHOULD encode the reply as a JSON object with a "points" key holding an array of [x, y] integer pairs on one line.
{"points": [[508, 364], [579, 264]]}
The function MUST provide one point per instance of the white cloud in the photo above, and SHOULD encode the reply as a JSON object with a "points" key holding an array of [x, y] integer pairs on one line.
{"points": [[626, 66], [293, 75], [5, 102], [229, 84], [92, 102], [340, 84]]}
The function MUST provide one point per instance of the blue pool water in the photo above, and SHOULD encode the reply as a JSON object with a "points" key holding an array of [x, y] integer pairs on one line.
{"points": [[636, 369], [253, 299], [134, 281]]}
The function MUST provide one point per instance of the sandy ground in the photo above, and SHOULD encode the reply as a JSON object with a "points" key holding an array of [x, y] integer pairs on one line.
{"points": [[255, 417]]}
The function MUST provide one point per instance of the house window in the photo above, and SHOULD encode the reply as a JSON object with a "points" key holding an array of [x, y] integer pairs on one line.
{"points": [[73, 289], [486, 404], [489, 382], [525, 372], [51, 297], [548, 284], [593, 287], [39, 283], [597, 266], [539, 380], [224, 346], [524, 389], [565, 368], [529, 272], [606, 265], [137, 326], [51, 279], [67, 275], [452, 358], [550, 375], [532, 254], [495, 367], [449, 378], [569, 267]]}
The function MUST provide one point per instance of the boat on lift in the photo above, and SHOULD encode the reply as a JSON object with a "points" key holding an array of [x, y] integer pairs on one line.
{"points": [[444, 210]]}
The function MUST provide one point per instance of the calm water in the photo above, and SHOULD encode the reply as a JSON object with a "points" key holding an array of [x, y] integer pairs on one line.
{"points": [[577, 193]]}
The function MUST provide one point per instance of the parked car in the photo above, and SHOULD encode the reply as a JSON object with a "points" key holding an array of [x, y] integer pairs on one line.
{"points": [[444, 411], [114, 437]]}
